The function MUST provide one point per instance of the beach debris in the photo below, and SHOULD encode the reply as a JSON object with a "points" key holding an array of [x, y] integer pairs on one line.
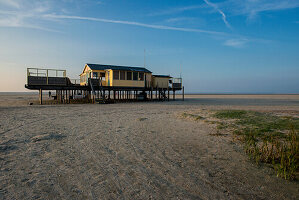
{"points": [[142, 119], [5, 148], [48, 137]]}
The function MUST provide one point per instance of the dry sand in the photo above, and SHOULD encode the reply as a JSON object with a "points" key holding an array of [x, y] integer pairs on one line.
{"points": [[132, 151]]}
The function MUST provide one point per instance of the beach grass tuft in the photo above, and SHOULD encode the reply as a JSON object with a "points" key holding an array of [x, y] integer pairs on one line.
{"points": [[267, 138], [192, 116]]}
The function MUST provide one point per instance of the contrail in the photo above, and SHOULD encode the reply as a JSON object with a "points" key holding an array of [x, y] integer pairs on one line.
{"points": [[220, 11], [162, 27]]}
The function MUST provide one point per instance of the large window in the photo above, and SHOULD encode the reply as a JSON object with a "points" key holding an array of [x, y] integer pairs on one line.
{"points": [[94, 74], [115, 75], [129, 75], [102, 74], [141, 76], [135, 76], [122, 75]]}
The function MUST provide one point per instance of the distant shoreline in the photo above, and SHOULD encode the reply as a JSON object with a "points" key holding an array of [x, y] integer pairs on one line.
{"points": [[241, 93], [179, 93]]}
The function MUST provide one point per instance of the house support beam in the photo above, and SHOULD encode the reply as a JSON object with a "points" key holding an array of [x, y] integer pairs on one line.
{"points": [[40, 96], [174, 95]]}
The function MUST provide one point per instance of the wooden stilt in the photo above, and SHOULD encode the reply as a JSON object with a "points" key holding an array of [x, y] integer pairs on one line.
{"points": [[40, 96], [173, 94], [60, 96], [56, 96], [168, 94], [151, 93], [159, 95], [66, 98]]}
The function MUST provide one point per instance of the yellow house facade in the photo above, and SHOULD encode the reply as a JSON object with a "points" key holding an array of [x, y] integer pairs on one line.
{"points": [[117, 76]]}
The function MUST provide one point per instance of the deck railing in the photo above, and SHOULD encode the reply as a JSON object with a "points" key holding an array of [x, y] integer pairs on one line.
{"points": [[177, 83], [75, 81], [38, 76]]}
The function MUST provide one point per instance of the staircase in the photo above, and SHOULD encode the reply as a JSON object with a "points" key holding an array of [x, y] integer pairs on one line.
{"points": [[163, 95], [97, 83]]}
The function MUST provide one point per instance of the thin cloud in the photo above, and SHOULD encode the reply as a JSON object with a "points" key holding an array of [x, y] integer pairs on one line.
{"points": [[176, 10], [22, 15], [252, 8], [219, 11], [18, 22], [10, 3], [161, 27], [236, 43], [179, 19]]}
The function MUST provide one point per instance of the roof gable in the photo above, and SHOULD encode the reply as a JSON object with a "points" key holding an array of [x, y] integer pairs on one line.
{"points": [[86, 68], [115, 67]]}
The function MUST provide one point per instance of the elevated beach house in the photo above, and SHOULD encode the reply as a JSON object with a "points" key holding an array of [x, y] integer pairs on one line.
{"points": [[97, 83]]}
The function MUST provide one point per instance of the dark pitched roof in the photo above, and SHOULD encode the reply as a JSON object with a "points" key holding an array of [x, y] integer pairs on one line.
{"points": [[163, 76], [115, 67]]}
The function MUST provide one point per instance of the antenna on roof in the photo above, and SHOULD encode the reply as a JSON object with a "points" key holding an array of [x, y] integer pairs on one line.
{"points": [[180, 69], [144, 59]]}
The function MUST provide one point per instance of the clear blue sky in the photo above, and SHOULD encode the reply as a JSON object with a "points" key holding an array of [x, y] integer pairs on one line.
{"points": [[234, 46]]}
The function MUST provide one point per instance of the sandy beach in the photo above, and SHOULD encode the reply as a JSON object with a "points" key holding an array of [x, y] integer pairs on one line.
{"points": [[138, 150]]}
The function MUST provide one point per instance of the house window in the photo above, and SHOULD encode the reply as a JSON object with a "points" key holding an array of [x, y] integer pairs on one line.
{"points": [[115, 75], [102, 74], [122, 75], [141, 76], [129, 75], [135, 76], [94, 74]]}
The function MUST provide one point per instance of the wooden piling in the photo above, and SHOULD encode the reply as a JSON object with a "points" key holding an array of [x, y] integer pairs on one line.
{"points": [[174, 95], [40, 96], [159, 95], [151, 93], [61, 96]]}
